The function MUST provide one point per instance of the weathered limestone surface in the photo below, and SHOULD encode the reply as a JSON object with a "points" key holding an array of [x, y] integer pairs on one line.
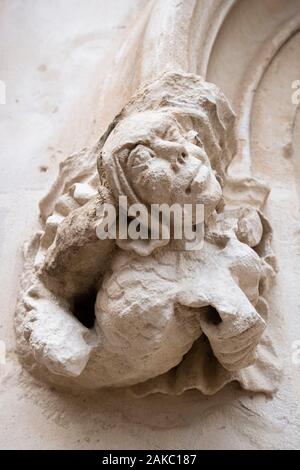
{"points": [[157, 303], [254, 63]]}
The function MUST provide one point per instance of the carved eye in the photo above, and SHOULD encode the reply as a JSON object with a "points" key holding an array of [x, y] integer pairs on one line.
{"points": [[198, 141], [193, 138], [140, 155]]}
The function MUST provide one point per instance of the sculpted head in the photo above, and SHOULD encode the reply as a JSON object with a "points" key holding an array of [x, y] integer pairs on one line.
{"points": [[170, 144]]}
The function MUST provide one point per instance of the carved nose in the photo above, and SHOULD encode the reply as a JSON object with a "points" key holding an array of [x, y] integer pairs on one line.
{"points": [[200, 180]]}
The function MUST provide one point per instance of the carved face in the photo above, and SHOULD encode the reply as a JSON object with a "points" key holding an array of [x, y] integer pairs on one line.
{"points": [[164, 161]]}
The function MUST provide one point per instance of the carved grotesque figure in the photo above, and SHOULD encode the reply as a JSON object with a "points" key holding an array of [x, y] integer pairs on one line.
{"points": [[148, 313]]}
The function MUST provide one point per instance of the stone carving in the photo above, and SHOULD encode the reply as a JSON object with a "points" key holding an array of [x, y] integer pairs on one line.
{"points": [[147, 313]]}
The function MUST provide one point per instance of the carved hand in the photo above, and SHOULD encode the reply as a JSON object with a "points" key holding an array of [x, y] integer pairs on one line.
{"points": [[233, 328]]}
